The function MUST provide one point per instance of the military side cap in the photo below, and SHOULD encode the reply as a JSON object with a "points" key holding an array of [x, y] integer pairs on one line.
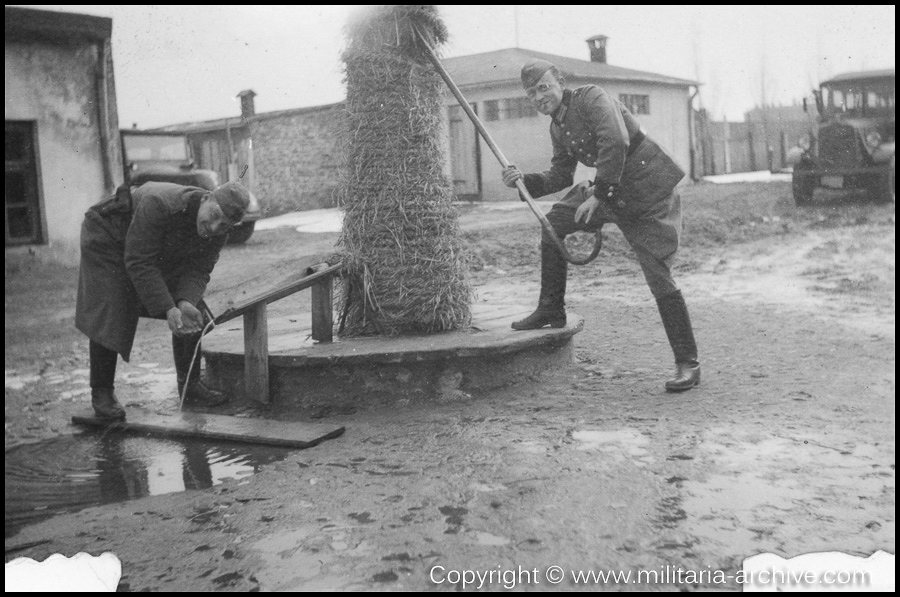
{"points": [[533, 70], [234, 199]]}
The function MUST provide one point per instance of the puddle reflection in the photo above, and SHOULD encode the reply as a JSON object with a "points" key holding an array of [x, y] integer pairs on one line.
{"points": [[72, 473]]}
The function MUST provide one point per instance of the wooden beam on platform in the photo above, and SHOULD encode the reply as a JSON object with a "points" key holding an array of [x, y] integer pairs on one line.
{"points": [[322, 307], [243, 304], [256, 354], [250, 300]]}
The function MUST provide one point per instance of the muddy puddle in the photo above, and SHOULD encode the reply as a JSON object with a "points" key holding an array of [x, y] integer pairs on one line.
{"points": [[71, 473], [744, 505]]}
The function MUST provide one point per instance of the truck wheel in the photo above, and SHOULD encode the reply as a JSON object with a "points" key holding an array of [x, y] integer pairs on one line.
{"points": [[241, 234], [802, 185], [881, 189]]}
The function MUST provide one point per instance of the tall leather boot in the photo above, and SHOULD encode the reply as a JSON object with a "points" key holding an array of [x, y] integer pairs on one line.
{"points": [[198, 393], [551, 309], [103, 376], [677, 323], [105, 404]]}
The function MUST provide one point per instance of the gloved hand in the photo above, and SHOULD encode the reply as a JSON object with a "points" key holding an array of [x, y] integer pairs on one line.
{"points": [[191, 317], [586, 210], [185, 319], [173, 316], [510, 175]]}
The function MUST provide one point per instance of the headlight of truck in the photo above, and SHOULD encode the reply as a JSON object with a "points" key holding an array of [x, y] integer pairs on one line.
{"points": [[804, 143], [873, 139]]}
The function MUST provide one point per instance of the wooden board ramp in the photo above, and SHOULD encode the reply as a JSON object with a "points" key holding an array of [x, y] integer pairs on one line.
{"points": [[271, 283], [217, 427]]}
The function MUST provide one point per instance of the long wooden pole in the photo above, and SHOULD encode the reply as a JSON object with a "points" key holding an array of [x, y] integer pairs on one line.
{"points": [[520, 185]]}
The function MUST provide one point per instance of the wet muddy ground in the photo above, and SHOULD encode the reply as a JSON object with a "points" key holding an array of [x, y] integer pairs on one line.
{"points": [[786, 447]]}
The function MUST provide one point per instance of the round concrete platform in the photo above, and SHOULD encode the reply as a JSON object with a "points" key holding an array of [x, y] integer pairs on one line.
{"points": [[379, 370]]}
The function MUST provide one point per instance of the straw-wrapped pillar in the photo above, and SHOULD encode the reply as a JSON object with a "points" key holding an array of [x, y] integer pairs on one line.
{"points": [[401, 245]]}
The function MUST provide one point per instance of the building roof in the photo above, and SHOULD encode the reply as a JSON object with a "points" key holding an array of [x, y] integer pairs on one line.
{"points": [[504, 66], [28, 24], [866, 74], [219, 124], [488, 68]]}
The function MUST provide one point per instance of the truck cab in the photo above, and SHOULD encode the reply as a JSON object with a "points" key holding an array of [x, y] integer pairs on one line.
{"points": [[150, 156], [851, 145]]}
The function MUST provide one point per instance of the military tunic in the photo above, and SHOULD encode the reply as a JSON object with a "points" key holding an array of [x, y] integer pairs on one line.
{"points": [[141, 254], [593, 128]]}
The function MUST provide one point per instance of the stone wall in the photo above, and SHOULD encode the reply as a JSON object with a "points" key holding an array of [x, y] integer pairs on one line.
{"points": [[297, 157]]}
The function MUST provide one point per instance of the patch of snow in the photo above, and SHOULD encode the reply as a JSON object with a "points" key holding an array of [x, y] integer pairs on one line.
{"points": [[759, 176]]}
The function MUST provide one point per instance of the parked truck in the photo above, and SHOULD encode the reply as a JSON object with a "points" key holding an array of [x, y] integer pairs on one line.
{"points": [[166, 157], [851, 143]]}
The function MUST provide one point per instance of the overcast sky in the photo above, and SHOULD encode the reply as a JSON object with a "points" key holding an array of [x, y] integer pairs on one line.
{"points": [[185, 63]]}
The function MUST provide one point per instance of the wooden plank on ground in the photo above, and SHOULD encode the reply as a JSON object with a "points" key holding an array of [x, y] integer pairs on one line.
{"points": [[218, 427]]}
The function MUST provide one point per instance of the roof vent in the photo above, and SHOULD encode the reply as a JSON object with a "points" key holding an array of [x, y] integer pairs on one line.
{"points": [[247, 107]]}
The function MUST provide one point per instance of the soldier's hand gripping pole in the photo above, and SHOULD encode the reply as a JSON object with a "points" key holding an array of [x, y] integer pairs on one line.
{"points": [[520, 185]]}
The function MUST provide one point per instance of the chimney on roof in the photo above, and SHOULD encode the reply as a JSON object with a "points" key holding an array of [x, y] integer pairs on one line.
{"points": [[247, 107], [597, 45]]}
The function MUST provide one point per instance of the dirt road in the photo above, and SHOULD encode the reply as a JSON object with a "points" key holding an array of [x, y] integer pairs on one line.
{"points": [[787, 446]]}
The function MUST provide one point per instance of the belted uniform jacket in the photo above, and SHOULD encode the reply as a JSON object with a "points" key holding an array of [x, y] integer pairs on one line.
{"points": [[593, 128], [141, 254]]}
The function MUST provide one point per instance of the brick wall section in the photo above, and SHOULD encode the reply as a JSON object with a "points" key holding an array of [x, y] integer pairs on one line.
{"points": [[297, 155]]}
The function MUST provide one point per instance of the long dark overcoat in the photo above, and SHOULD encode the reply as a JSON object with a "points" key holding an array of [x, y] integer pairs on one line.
{"points": [[141, 253]]}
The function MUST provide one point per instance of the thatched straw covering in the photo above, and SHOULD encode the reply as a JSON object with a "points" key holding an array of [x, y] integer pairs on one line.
{"points": [[401, 240]]}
